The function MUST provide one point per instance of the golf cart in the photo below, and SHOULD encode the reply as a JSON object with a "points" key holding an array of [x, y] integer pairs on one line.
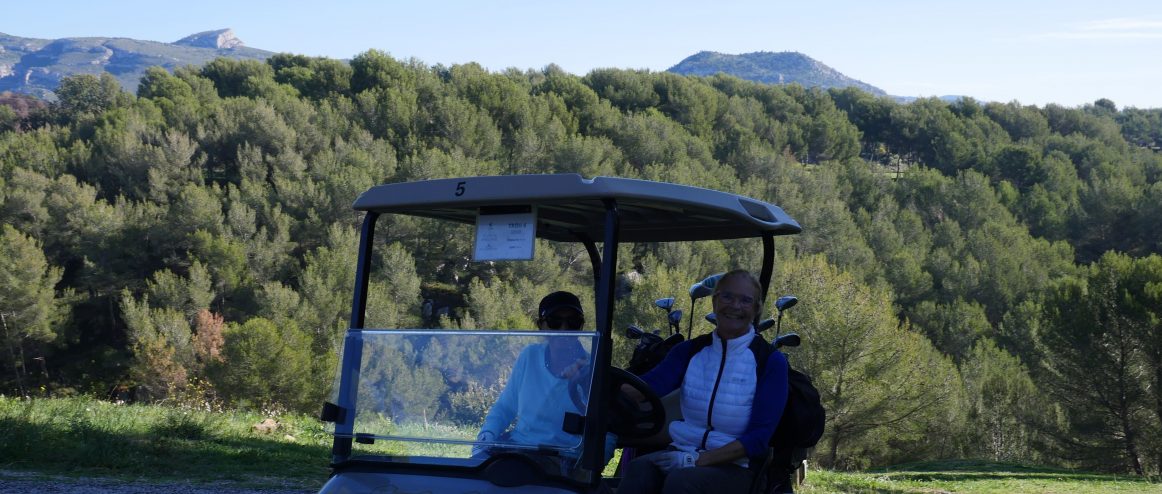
{"points": [[388, 435]]}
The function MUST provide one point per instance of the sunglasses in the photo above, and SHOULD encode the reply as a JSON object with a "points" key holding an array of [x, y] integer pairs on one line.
{"points": [[572, 322]]}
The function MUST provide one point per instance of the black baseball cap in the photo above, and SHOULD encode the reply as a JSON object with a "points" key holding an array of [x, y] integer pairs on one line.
{"points": [[557, 300]]}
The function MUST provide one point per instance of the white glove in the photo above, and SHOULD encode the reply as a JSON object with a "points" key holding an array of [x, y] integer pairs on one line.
{"points": [[673, 460], [480, 449]]}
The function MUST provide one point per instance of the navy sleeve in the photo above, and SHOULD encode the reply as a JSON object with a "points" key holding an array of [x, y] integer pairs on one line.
{"points": [[668, 375], [769, 401]]}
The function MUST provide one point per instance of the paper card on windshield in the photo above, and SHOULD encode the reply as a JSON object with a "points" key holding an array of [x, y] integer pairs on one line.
{"points": [[505, 235]]}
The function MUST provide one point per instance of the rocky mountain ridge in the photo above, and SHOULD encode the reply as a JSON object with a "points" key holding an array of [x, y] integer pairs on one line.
{"points": [[35, 66], [771, 68]]}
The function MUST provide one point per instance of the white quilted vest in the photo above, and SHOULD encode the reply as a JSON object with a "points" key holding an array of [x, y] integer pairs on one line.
{"points": [[732, 402]]}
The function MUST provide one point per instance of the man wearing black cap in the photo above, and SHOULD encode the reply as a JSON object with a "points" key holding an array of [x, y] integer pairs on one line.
{"points": [[537, 392]]}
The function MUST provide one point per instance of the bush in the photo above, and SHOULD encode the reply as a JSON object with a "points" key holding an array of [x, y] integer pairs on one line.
{"points": [[265, 367]]}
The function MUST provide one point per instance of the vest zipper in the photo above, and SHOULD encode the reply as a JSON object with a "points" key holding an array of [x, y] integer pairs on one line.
{"points": [[713, 395]]}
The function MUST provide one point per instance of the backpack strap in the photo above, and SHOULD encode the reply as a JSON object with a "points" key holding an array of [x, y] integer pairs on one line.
{"points": [[762, 352], [700, 342], [696, 345]]}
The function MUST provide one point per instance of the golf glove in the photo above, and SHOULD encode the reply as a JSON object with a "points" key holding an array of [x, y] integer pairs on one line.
{"points": [[673, 460], [480, 449]]}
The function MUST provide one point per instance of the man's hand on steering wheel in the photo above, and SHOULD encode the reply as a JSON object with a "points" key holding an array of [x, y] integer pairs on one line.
{"points": [[629, 418], [636, 411]]}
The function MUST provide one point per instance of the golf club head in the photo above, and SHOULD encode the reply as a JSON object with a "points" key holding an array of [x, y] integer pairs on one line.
{"points": [[764, 325], [705, 288], [712, 318], [634, 332], [789, 339], [786, 302], [675, 317], [665, 303]]}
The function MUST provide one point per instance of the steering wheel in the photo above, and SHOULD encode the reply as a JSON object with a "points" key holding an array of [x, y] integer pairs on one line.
{"points": [[626, 416]]}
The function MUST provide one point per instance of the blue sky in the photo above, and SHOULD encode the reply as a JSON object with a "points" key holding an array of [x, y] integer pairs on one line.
{"points": [[1068, 52]]}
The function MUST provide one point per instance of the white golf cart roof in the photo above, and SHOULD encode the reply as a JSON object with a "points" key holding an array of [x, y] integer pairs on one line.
{"points": [[571, 208]]}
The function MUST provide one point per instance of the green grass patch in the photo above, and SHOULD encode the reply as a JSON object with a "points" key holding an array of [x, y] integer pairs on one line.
{"points": [[973, 477], [87, 437]]}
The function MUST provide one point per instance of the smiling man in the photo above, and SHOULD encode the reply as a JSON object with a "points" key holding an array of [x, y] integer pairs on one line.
{"points": [[731, 401]]}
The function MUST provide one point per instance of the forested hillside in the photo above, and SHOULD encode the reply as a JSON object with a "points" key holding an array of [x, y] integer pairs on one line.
{"points": [[977, 280]]}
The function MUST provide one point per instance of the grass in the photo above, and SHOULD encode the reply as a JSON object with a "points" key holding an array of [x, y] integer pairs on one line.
{"points": [[973, 477], [92, 438], [87, 437]]}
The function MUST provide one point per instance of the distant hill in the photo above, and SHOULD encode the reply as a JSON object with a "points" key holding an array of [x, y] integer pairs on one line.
{"points": [[36, 66], [771, 68]]}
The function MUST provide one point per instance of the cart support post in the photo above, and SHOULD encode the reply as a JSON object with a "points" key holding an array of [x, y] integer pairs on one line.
{"points": [[595, 414], [353, 344], [768, 270]]}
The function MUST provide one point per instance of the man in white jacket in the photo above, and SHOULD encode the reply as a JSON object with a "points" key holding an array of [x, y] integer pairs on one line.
{"points": [[728, 411]]}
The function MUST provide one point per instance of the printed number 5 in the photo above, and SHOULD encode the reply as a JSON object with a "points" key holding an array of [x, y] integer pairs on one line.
{"points": [[460, 188]]}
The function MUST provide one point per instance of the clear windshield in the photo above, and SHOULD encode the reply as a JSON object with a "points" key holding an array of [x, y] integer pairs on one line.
{"points": [[431, 393]]}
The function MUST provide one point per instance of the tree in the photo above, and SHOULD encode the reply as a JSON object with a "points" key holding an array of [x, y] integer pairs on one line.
{"points": [[456, 124], [886, 390], [1066, 121], [241, 125], [267, 367], [208, 337], [1142, 299], [28, 305], [376, 69], [589, 156], [901, 245], [161, 342], [1023, 123], [174, 96], [88, 95], [314, 78], [127, 148], [692, 102], [9, 120], [400, 384], [954, 328], [1020, 165], [631, 91], [325, 284], [830, 135], [37, 151], [188, 296], [499, 305], [225, 266], [230, 75], [1048, 207], [394, 296], [1108, 205], [1093, 366], [1006, 409], [869, 113]]}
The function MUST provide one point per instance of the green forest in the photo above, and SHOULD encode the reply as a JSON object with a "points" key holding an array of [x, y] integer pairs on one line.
{"points": [[977, 280]]}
